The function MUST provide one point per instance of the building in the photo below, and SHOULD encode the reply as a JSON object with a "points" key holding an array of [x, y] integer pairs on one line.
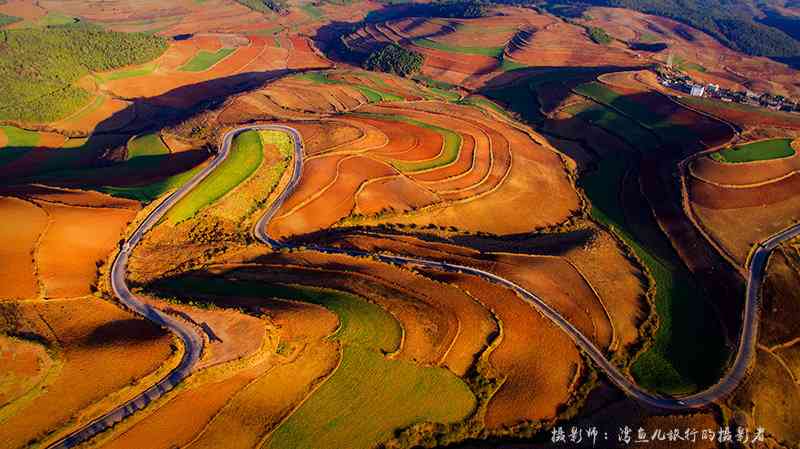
{"points": [[697, 91]]}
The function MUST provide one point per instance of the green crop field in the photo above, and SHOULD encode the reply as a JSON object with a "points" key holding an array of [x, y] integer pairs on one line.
{"points": [[146, 69], [493, 52], [452, 145], [372, 95], [20, 141], [246, 155], [617, 124], [146, 145], [204, 60], [756, 151], [369, 396]]}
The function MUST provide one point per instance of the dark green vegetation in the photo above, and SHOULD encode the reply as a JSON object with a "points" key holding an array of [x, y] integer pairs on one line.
{"points": [[599, 36], [395, 59], [245, 157], [369, 395], [8, 20], [266, 6], [204, 60], [461, 9], [675, 363], [756, 151], [731, 21], [40, 66]]}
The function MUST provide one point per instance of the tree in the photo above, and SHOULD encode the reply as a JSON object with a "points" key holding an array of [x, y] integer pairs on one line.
{"points": [[395, 59]]}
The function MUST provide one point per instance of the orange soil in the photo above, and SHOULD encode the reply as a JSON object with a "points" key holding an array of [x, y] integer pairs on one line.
{"points": [[23, 8], [111, 115], [398, 194], [22, 224], [83, 229], [24, 365], [3, 139], [737, 230], [93, 336], [325, 136], [562, 287], [302, 55], [537, 360], [749, 118], [334, 201]]}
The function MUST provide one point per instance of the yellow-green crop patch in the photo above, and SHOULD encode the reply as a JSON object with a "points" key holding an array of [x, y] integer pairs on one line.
{"points": [[204, 60], [19, 142], [134, 72], [246, 155], [146, 145]]}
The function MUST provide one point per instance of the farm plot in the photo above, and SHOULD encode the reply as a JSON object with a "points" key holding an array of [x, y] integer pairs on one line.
{"points": [[744, 174], [204, 60], [89, 336], [246, 155], [23, 224], [756, 151]]}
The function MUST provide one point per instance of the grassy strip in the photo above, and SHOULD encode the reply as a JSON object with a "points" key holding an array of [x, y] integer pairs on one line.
{"points": [[204, 60], [756, 151], [369, 396], [372, 95], [146, 145], [452, 145], [20, 141], [245, 156], [492, 52], [125, 74], [150, 192]]}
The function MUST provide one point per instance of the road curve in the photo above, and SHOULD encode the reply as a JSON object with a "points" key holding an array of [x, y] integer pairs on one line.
{"points": [[193, 341]]}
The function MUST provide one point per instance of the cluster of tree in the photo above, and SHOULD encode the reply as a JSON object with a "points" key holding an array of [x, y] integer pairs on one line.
{"points": [[278, 6], [460, 9], [7, 20], [395, 59], [733, 22], [599, 35], [40, 66]]}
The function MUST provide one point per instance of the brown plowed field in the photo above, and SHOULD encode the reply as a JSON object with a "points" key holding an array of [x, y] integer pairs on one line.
{"points": [[303, 56], [562, 287], [335, 201], [716, 197], [23, 223], [325, 136], [92, 336], [25, 365], [537, 360], [396, 193]]}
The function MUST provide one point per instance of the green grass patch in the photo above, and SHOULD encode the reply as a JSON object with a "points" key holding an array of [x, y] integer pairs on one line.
{"points": [[599, 36], [492, 52], [373, 95], [204, 60], [245, 156], [452, 145], [369, 396], [128, 73], [146, 145], [312, 11], [6, 20], [682, 64], [20, 141], [756, 151]]}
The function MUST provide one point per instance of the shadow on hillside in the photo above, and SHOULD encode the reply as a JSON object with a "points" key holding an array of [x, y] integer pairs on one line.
{"points": [[123, 331], [100, 160]]}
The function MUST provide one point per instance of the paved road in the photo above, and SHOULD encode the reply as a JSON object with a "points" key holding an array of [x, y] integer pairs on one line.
{"points": [[193, 341]]}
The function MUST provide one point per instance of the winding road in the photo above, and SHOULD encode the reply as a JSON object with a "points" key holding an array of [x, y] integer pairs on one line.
{"points": [[193, 341]]}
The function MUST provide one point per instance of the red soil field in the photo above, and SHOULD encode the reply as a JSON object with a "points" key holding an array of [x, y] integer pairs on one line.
{"points": [[333, 201], [538, 361], [717, 197], [303, 55], [25, 365], [92, 335], [397, 193], [22, 224], [24, 9]]}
